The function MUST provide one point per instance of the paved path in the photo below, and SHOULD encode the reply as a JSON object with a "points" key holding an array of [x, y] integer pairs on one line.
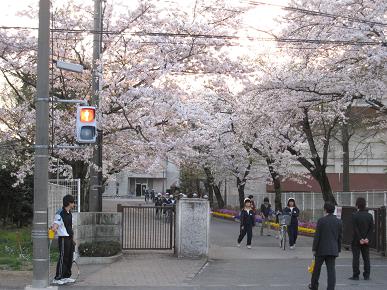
{"points": [[265, 266]]}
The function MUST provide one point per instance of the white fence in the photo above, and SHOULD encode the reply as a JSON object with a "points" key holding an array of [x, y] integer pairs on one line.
{"points": [[311, 203], [57, 189]]}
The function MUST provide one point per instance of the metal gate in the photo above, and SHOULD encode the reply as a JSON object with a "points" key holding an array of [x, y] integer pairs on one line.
{"points": [[148, 227]]}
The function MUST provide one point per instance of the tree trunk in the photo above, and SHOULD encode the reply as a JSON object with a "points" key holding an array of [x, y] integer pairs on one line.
{"points": [[345, 144], [210, 193], [213, 187], [325, 186], [241, 192], [218, 196], [80, 171], [317, 168], [225, 192], [277, 184]]}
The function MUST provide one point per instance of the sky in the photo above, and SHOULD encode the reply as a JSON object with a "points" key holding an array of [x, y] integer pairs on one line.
{"points": [[262, 15]]}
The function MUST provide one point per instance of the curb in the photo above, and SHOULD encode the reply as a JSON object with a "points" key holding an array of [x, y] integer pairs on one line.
{"points": [[98, 260]]}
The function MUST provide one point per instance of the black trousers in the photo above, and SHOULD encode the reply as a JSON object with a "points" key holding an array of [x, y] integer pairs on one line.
{"points": [[365, 253], [66, 251], [246, 230], [293, 234], [330, 263]]}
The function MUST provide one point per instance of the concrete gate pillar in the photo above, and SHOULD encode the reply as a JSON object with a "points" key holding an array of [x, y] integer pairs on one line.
{"points": [[192, 227]]}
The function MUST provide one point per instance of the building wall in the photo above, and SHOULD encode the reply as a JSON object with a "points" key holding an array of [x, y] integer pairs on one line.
{"points": [[160, 181]]}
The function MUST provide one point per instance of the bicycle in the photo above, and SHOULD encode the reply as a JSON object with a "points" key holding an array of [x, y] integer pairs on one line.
{"points": [[284, 222]]}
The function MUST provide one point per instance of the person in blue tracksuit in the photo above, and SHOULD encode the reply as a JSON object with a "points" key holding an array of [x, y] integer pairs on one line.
{"points": [[247, 218], [294, 212]]}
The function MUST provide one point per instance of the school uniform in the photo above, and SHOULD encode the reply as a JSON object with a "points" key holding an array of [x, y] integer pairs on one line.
{"points": [[247, 218], [293, 227]]}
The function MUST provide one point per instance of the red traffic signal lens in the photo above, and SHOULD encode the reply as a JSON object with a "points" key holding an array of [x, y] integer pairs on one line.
{"points": [[87, 115]]}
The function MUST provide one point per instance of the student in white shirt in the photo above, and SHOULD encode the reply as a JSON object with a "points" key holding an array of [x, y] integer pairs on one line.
{"points": [[63, 227]]}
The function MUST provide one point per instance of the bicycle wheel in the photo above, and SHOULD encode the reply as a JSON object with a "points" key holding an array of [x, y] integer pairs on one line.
{"points": [[280, 237], [284, 239]]}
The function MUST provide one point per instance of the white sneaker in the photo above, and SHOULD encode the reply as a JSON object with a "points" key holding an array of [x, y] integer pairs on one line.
{"points": [[59, 282], [68, 280], [292, 247], [249, 247], [238, 245]]}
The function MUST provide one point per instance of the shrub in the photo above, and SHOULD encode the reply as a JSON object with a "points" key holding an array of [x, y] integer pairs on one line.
{"points": [[99, 249]]}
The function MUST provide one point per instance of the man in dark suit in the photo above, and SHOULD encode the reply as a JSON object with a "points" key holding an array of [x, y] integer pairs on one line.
{"points": [[362, 224], [326, 246]]}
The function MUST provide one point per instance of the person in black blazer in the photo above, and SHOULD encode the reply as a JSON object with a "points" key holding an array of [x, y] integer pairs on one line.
{"points": [[247, 218], [294, 212], [362, 224], [326, 246]]}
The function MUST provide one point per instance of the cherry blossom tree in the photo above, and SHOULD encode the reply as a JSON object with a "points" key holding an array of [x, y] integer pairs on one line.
{"points": [[334, 54], [143, 47]]}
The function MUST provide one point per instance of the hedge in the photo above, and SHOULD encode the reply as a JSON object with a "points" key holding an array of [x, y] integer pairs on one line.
{"points": [[99, 249]]}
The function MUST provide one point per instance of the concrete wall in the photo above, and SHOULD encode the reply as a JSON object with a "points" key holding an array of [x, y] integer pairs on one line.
{"points": [[165, 176], [192, 227], [96, 226]]}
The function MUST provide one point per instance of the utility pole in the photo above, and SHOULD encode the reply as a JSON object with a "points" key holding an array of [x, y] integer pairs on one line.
{"points": [[39, 231], [95, 192]]}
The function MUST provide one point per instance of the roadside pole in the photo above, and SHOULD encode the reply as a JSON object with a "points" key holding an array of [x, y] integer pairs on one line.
{"points": [[40, 225], [95, 192]]}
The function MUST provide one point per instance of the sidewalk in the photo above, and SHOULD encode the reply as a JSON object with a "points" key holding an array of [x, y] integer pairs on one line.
{"points": [[264, 267], [148, 268]]}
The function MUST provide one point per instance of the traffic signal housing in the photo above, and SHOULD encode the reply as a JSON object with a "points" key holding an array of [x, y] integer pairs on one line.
{"points": [[86, 128]]}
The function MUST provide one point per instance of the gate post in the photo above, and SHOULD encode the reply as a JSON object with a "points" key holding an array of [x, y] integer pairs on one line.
{"points": [[192, 227]]}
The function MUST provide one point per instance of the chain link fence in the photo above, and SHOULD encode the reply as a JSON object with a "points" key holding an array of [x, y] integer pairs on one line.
{"points": [[57, 189]]}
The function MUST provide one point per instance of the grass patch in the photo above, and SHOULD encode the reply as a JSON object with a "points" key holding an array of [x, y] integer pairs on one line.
{"points": [[16, 249]]}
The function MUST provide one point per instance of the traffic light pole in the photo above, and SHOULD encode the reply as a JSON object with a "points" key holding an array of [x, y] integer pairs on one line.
{"points": [[40, 226], [95, 192]]}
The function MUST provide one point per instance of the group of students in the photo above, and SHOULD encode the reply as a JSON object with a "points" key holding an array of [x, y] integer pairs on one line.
{"points": [[248, 219], [327, 238], [326, 242]]}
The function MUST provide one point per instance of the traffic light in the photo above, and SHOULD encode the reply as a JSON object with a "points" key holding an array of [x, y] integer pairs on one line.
{"points": [[86, 128]]}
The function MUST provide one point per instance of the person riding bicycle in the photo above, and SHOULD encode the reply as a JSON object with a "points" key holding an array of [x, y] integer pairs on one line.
{"points": [[294, 212]]}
